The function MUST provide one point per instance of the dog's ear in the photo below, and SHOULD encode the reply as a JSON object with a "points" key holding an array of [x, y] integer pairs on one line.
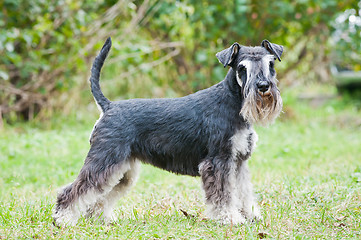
{"points": [[273, 48], [226, 56]]}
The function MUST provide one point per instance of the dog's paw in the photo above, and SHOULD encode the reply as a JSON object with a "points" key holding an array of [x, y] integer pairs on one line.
{"points": [[256, 218], [231, 220], [227, 217], [64, 219], [109, 218], [252, 214]]}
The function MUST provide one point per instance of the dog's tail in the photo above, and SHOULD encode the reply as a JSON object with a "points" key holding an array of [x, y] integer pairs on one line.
{"points": [[99, 97]]}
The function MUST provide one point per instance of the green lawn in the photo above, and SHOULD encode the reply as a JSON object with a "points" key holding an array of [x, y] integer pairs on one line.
{"points": [[306, 172]]}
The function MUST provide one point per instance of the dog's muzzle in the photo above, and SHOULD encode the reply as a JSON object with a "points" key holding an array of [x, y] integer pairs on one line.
{"points": [[263, 87], [262, 104]]}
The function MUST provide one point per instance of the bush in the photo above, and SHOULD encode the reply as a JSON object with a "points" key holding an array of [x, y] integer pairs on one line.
{"points": [[164, 47], [42, 48]]}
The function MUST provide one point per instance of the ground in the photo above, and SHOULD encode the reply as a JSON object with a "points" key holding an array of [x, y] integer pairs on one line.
{"points": [[306, 172]]}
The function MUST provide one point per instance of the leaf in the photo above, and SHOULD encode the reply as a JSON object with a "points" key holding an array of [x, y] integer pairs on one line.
{"points": [[187, 214], [184, 212], [341, 224], [262, 235], [9, 46], [4, 75], [341, 218]]}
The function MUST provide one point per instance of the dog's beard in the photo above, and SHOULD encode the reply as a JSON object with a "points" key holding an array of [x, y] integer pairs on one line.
{"points": [[260, 109]]}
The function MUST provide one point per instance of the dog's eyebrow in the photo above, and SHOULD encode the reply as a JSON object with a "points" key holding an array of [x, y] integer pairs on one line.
{"points": [[265, 63], [248, 65]]}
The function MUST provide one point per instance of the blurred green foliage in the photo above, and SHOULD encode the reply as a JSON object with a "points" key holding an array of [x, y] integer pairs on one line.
{"points": [[41, 46], [161, 48], [346, 39]]}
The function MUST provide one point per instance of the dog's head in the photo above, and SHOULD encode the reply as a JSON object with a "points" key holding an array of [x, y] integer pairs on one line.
{"points": [[256, 76]]}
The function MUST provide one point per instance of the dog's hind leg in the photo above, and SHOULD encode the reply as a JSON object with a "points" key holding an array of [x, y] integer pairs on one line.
{"points": [[104, 167], [103, 208], [219, 179]]}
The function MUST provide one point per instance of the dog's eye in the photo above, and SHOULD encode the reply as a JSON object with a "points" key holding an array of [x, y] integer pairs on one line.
{"points": [[241, 68]]}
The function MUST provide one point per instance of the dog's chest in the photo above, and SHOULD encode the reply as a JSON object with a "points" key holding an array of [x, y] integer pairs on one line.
{"points": [[243, 143]]}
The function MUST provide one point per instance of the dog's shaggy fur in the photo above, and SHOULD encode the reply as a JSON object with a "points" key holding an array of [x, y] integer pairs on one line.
{"points": [[208, 134]]}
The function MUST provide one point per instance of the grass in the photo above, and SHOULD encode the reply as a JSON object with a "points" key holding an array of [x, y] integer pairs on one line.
{"points": [[306, 171]]}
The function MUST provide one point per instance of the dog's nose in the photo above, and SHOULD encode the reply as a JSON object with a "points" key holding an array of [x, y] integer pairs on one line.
{"points": [[263, 86]]}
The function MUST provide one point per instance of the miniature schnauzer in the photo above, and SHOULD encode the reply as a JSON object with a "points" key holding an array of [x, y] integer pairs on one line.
{"points": [[207, 134]]}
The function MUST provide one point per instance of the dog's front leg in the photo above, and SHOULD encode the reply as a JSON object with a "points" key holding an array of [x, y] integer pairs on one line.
{"points": [[219, 179], [246, 202]]}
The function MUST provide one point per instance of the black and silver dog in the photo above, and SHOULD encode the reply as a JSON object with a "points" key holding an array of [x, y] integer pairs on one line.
{"points": [[208, 134]]}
